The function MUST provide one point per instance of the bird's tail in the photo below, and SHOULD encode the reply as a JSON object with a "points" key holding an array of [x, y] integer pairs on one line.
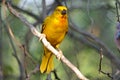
{"points": [[47, 64]]}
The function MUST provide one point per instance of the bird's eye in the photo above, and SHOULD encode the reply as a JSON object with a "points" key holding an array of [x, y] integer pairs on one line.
{"points": [[63, 12]]}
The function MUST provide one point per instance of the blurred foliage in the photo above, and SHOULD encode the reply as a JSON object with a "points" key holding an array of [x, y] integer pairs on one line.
{"points": [[95, 16]]}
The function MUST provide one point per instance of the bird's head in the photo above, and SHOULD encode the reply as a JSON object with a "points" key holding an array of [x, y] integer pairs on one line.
{"points": [[61, 11]]}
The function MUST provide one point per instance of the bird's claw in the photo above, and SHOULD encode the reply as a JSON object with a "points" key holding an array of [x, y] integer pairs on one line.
{"points": [[60, 54], [42, 36]]}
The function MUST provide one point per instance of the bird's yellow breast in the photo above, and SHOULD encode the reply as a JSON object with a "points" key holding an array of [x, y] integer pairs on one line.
{"points": [[56, 25], [55, 30]]}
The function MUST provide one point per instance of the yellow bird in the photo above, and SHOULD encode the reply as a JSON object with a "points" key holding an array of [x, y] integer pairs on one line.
{"points": [[55, 28]]}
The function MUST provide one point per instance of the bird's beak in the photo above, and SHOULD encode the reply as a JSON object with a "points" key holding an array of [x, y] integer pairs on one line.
{"points": [[63, 12]]}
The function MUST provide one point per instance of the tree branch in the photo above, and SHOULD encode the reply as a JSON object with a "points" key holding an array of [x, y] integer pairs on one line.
{"points": [[1, 47], [15, 52], [46, 43], [7, 29], [106, 51], [100, 65], [26, 12]]}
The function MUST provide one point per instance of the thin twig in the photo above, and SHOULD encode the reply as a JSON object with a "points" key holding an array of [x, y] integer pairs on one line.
{"points": [[26, 12], [88, 13], [22, 47], [100, 65], [46, 43], [44, 9], [101, 57], [6, 26], [37, 6], [1, 49], [25, 63], [25, 1], [24, 51], [32, 72], [55, 74], [59, 2], [117, 10], [15, 53]]}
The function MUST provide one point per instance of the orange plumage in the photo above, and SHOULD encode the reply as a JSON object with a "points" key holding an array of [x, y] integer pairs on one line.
{"points": [[55, 28]]}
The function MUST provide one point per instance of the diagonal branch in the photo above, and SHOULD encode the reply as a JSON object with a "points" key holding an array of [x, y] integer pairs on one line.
{"points": [[46, 43]]}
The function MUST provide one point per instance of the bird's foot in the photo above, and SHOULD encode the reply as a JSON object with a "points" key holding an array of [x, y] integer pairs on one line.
{"points": [[42, 36], [60, 54]]}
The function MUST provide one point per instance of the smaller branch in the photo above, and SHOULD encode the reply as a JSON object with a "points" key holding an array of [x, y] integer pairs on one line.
{"points": [[44, 9], [22, 47], [59, 2], [27, 12], [26, 54], [1, 49], [27, 76], [89, 16], [116, 3], [47, 44], [7, 29], [24, 2], [100, 65], [24, 51], [32, 72], [101, 57], [37, 5], [55, 74], [15, 52]]}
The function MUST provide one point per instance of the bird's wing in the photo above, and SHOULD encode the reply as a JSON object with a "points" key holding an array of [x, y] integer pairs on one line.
{"points": [[47, 19]]}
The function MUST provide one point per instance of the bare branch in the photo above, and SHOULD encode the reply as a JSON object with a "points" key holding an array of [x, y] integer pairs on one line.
{"points": [[55, 74], [44, 9], [1, 51], [32, 72], [26, 12], [46, 43], [7, 29], [106, 51], [101, 57], [15, 52], [117, 10], [100, 65]]}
